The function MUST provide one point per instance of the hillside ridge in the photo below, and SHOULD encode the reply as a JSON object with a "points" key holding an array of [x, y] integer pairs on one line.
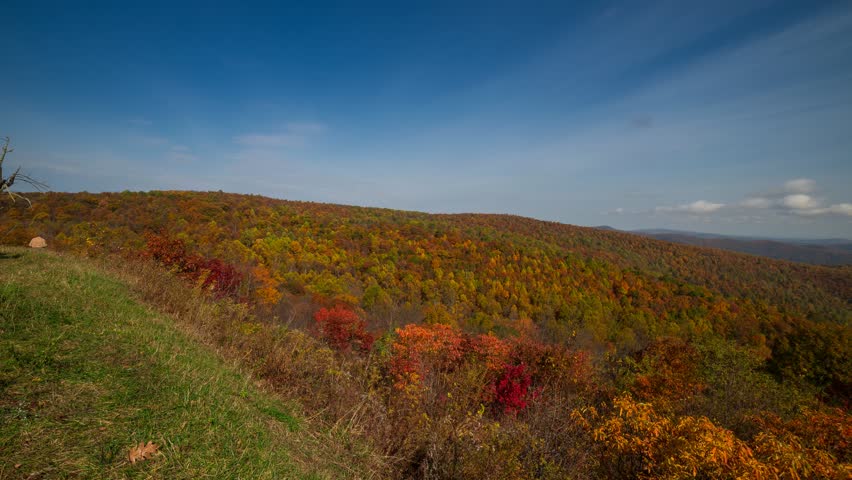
{"points": [[483, 272]]}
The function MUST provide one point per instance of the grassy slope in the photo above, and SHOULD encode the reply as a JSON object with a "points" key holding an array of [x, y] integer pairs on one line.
{"points": [[86, 372]]}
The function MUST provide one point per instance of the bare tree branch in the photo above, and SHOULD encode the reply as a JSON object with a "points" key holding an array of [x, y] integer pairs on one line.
{"points": [[7, 183]]}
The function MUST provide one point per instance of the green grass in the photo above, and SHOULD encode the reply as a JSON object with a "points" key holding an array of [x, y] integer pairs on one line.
{"points": [[86, 372]]}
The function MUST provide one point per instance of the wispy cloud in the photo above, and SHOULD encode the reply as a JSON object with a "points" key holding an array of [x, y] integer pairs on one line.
{"points": [[291, 135], [800, 185], [697, 207], [150, 140], [756, 202], [181, 154], [165, 148], [844, 209]]}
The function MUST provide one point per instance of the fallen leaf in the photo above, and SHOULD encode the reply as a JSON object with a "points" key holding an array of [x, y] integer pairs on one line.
{"points": [[142, 451]]}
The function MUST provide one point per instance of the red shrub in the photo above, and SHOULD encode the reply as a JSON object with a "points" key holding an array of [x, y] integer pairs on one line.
{"points": [[220, 277], [343, 329], [512, 389], [215, 275]]}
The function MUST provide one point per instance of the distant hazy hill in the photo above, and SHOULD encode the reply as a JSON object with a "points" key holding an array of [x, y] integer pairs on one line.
{"points": [[833, 251]]}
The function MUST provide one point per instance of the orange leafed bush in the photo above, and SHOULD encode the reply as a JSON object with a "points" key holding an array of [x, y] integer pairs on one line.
{"points": [[418, 349], [492, 351]]}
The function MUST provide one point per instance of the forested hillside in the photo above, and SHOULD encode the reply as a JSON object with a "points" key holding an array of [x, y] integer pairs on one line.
{"points": [[596, 289], [453, 343]]}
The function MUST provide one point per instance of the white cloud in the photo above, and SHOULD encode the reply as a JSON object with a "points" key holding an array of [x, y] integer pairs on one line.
{"points": [[698, 207], [702, 206], [800, 201], [800, 185]]}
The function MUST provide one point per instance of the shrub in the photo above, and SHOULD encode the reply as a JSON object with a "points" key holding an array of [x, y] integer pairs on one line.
{"points": [[512, 390], [638, 442], [490, 350], [214, 275], [420, 350], [343, 329]]}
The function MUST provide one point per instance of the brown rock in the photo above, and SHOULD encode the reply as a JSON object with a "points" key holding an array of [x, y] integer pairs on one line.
{"points": [[38, 242]]}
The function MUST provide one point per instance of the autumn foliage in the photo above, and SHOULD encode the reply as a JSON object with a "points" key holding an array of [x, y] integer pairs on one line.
{"points": [[494, 346]]}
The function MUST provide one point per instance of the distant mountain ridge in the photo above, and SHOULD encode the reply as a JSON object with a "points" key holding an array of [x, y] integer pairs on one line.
{"points": [[827, 251]]}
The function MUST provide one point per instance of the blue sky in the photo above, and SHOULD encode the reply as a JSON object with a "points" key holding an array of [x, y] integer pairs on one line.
{"points": [[731, 117]]}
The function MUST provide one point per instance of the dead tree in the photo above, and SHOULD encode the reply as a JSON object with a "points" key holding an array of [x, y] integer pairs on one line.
{"points": [[7, 182]]}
